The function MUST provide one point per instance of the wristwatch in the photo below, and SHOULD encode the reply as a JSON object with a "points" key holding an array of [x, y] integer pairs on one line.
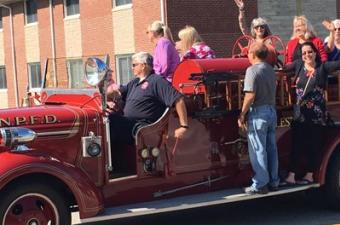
{"points": [[185, 126]]}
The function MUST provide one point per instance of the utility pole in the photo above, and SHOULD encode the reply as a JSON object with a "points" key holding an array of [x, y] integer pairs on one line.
{"points": [[298, 7]]}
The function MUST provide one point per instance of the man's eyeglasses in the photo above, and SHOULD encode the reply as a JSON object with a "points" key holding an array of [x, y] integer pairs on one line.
{"points": [[260, 26], [307, 52], [337, 29], [136, 64]]}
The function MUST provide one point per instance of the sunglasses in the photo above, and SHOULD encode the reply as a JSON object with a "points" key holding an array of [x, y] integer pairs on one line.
{"points": [[337, 29], [307, 52], [260, 26], [136, 64]]}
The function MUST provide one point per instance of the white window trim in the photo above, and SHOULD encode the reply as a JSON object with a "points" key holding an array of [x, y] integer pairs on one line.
{"points": [[1, 29], [66, 17], [3, 90], [117, 65], [68, 67], [122, 7], [36, 89], [29, 24], [73, 17]]}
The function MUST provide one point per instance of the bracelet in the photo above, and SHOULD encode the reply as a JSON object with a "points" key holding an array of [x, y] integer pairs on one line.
{"points": [[185, 126]]}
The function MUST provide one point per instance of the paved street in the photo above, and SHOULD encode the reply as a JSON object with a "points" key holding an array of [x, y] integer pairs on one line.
{"points": [[296, 209]]}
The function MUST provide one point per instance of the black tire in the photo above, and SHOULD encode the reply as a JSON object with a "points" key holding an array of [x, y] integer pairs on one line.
{"points": [[333, 182], [46, 204]]}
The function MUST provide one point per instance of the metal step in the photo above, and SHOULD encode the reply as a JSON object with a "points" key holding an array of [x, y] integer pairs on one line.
{"points": [[184, 202]]}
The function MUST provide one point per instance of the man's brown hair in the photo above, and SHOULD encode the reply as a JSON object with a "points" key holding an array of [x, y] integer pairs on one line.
{"points": [[260, 50]]}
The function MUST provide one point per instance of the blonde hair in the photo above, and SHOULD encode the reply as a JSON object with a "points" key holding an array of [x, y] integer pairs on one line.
{"points": [[310, 33], [336, 22], [159, 28], [189, 36]]}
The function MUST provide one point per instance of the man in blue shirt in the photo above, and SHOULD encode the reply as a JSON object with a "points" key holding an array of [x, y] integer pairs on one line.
{"points": [[146, 97]]}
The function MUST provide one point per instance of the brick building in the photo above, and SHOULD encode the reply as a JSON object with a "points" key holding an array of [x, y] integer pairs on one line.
{"points": [[68, 31]]}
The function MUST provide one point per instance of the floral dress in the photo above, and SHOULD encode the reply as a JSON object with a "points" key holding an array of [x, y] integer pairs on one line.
{"points": [[313, 102], [199, 51]]}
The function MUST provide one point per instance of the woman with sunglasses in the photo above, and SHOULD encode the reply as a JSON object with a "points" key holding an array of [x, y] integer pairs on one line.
{"points": [[308, 127], [166, 57], [259, 28], [302, 32]]}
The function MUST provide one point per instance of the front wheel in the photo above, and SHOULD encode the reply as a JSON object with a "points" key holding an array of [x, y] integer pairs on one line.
{"points": [[33, 204], [333, 183]]}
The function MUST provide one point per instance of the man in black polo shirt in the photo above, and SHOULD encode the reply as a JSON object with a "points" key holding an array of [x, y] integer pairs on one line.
{"points": [[146, 97]]}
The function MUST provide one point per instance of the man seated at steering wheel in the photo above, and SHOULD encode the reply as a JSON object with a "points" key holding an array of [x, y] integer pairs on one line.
{"points": [[145, 99]]}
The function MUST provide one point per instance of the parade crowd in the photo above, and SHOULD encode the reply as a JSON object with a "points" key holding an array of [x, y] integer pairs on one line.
{"points": [[311, 61]]}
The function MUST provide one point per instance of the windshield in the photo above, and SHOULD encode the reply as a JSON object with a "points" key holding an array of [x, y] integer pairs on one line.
{"points": [[66, 73]]}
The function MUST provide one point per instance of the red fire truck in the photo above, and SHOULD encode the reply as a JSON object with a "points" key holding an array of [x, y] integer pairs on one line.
{"points": [[56, 158]]}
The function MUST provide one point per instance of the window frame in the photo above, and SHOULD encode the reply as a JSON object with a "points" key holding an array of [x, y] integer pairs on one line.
{"points": [[26, 13], [69, 74], [124, 5], [118, 69], [66, 12], [1, 20], [4, 88], [29, 70]]}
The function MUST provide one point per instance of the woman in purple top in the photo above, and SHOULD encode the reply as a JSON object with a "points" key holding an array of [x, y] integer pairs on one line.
{"points": [[166, 57]]}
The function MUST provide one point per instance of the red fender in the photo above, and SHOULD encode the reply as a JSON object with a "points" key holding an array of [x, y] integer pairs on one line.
{"points": [[330, 147], [88, 196]]}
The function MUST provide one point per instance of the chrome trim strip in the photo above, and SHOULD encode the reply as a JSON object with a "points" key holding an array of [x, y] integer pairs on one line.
{"points": [[55, 133]]}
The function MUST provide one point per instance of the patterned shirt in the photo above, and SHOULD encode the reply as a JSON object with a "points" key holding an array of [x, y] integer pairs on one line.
{"points": [[199, 51]]}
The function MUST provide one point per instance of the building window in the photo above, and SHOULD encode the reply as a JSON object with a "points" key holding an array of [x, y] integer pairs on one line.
{"points": [[3, 80], [34, 75], [31, 11], [122, 2], [124, 70], [71, 7], [75, 73], [1, 19]]}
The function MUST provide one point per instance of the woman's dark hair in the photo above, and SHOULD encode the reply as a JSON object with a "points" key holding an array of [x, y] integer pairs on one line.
{"points": [[317, 54]]}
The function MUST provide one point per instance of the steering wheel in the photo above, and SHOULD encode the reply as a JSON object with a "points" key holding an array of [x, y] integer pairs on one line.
{"points": [[241, 46], [279, 49]]}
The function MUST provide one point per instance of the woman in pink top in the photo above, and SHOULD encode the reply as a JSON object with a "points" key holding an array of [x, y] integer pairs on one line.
{"points": [[192, 46], [165, 55]]}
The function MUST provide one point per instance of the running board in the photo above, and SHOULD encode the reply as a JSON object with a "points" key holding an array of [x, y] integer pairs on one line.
{"points": [[184, 202]]}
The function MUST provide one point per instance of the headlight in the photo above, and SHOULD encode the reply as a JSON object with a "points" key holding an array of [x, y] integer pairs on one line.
{"points": [[13, 136], [145, 153], [155, 152], [93, 149]]}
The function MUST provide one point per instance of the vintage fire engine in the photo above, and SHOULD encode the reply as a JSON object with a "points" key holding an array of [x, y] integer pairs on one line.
{"points": [[56, 158]]}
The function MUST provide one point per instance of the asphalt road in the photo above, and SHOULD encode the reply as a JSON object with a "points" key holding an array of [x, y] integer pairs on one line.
{"points": [[294, 209]]}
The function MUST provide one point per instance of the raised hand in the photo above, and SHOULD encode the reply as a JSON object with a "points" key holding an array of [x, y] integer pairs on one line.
{"points": [[327, 24], [240, 4]]}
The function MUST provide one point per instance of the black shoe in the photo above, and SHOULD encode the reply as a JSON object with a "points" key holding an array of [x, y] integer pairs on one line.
{"points": [[252, 191], [273, 188]]}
